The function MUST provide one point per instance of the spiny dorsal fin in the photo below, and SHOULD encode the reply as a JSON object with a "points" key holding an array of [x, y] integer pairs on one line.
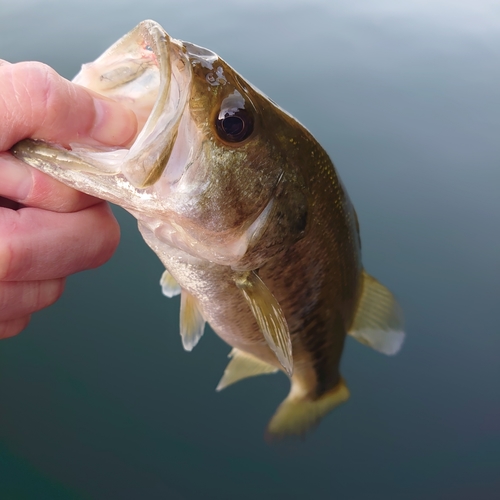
{"points": [[298, 414], [191, 321], [243, 365], [169, 287], [379, 320], [269, 316]]}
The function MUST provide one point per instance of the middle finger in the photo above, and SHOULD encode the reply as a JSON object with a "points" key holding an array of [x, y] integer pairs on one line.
{"points": [[38, 244]]}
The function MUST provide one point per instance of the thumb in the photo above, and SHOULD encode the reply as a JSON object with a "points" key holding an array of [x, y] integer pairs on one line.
{"points": [[36, 102]]}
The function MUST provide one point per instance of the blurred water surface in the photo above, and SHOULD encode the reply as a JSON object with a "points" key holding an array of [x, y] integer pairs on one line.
{"points": [[97, 397]]}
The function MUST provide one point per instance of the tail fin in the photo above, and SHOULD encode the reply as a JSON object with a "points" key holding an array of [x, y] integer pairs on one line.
{"points": [[298, 414]]}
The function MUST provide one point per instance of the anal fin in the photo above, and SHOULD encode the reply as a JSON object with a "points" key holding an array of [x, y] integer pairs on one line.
{"points": [[169, 287], [379, 319], [269, 316], [192, 323], [243, 365]]}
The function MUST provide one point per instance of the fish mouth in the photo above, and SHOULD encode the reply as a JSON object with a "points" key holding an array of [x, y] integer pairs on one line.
{"points": [[149, 72], [153, 146]]}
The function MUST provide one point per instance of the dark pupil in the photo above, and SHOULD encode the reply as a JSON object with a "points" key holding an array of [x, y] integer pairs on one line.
{"points": [[233, 125]]}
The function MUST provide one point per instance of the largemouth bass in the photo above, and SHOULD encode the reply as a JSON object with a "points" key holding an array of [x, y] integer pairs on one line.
{"points": [[246, 212]]}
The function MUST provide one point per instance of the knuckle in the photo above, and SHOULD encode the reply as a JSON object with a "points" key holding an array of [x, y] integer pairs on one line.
{"points": [[49, 94], [36, 78], [42, 84], [41, 73]]}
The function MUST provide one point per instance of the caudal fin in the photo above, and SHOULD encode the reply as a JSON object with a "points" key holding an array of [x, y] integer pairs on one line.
{"points": [[297, 414]]}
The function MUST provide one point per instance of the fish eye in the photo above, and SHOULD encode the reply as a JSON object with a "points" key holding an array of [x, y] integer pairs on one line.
{"points": [[234, 126]]}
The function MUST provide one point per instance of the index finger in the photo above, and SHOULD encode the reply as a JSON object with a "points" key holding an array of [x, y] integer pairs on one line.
{"points": [[26, 185]]}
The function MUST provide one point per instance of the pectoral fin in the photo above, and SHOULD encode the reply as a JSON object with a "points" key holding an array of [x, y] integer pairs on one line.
{"points": [[169, 287], [269, 316], [243, 365], [191, 322], [379, 320]]}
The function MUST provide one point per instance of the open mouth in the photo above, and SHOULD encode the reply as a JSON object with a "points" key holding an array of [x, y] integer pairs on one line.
{"points": [[148, 71], [157, 61]]}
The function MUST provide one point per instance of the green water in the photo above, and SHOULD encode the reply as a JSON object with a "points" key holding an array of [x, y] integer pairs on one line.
{"points": [[99, 400]]}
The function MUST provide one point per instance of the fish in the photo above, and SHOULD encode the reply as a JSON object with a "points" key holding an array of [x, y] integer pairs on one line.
{"points": [[245, 210]]}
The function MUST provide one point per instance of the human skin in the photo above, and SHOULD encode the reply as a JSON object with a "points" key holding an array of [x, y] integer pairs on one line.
{"points": [[49, 231]]}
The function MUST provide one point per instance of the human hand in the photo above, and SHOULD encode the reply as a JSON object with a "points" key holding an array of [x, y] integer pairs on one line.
{"points": [[48, 230]]}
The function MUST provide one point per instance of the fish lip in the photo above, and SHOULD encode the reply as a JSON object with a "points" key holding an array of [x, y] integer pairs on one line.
{"points": [[125, 174], [150, 153], [159, 42]]}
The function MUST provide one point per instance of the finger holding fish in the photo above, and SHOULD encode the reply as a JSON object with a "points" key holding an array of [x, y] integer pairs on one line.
{"points": [[30, 187], [55, 244]]}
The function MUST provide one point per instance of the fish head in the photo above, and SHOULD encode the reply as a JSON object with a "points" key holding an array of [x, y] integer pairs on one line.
{"points": [[210, 166]]}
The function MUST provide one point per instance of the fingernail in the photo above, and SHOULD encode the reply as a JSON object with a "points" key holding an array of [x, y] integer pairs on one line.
{"points": [[114, 123], [16, 180]]}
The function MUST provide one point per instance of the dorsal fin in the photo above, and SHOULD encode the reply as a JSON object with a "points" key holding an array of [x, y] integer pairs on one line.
{"points": [[191, 321], [269, 316], [379, 320], [169, 287], [243, 365]]}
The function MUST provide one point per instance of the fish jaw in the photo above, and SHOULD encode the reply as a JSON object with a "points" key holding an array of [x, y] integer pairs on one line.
{"points": [[148, 72]]}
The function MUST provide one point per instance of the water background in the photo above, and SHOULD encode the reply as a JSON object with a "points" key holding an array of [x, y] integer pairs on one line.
{"points": [[97, 397]]}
